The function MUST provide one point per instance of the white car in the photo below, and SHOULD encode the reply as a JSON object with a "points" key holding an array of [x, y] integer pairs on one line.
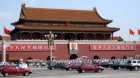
{"points": [[135, 63]]}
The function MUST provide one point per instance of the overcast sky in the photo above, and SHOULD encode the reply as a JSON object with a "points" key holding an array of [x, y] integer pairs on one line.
{"points": [[124, 13]]}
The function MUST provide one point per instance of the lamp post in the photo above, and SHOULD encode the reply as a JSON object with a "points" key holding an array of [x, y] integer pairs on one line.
{"points": [[5, 44], [50, 45], [4, 51], [5, 38]]}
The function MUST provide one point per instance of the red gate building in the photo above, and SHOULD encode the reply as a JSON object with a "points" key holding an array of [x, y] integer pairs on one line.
{"points": [[77, 33]]}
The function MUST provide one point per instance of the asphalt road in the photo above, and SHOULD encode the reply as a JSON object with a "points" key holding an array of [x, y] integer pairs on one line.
{"points": [[43, 73]]}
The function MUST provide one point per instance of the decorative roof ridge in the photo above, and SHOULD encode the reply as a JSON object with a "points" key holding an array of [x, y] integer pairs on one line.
{"points": [[23, 7], [107, 20], [40, 8], [25, 10]]}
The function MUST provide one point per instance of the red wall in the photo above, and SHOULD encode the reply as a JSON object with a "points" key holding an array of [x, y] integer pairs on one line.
{"points": [[62, 52]]}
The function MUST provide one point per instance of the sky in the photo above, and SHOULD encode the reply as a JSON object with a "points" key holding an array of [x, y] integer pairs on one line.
{"points": [[124, 13]]}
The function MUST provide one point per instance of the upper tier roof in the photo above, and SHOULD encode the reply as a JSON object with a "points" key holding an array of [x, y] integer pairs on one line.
{"points": [[68, 28], [45, 14]]}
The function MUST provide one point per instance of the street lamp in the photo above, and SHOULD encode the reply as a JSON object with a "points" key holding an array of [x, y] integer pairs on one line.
{"points": [[51, 43], [4, 52], [50, 37], [4, 46]]}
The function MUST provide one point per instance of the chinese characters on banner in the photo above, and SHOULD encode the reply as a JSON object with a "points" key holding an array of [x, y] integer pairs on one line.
{"points": [[28, 47], [112, 47], [73, 47]]}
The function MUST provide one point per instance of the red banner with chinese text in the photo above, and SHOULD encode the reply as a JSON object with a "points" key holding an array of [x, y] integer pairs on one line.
{"points": [[112, 47], [28, 47]]}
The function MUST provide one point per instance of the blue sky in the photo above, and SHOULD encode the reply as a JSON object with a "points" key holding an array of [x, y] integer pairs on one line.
{"points": [[124, 13]]}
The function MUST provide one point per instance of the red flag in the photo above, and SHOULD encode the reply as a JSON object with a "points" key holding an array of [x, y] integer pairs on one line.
{"points": [[131, 32], [138, 31], [6, 30]]}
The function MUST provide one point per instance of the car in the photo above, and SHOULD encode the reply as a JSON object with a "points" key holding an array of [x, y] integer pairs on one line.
{"points": [[73, 66], [1, 67], [133, 64], [90, 68], [2, 64], [14, 70], [57, 66]]}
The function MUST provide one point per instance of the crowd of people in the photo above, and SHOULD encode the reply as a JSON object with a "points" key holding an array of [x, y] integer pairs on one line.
{"points": [[40, 63]]}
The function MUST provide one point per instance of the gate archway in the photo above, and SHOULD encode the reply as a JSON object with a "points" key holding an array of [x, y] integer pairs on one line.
{"points": [[113, 57], [73, 56], [96, 57]]}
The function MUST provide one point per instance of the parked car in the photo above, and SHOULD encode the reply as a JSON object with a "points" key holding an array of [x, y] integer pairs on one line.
{"points": [[73, 66], [132, 64], [3, 65], [57, 66], [90, 68], [105, 64], [14, 70]]}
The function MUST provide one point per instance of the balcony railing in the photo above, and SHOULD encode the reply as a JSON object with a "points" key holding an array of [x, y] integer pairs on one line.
{"points": [[68, 41]]}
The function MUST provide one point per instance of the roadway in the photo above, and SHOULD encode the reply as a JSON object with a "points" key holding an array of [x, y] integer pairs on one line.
{"points": [[108, 73]]}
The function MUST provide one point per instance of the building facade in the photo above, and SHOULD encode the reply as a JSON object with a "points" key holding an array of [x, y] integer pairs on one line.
{"points": [[76, 33]]}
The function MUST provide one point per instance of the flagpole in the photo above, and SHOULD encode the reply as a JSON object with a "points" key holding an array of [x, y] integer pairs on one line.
{"points": [[130, 39], [5, 37], [4, 51]]}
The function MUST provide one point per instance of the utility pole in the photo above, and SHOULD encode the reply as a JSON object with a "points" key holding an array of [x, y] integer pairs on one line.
{"points": [[50, 45], [4, 51]]}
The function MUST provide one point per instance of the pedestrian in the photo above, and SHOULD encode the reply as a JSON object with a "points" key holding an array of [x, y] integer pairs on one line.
{"points": [[21, 64]]}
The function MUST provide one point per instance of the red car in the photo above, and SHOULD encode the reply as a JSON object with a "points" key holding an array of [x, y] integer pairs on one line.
{"points": [[90, 68], [1, 67], [14, 70], [72, 66]]}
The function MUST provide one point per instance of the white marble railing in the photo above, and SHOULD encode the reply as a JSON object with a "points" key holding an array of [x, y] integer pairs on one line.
{"points": [[67, 41]]}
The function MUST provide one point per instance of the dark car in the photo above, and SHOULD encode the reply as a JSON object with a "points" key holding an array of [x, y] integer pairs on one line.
{"points": [[57, 66], [90, 68], [14, 70]]}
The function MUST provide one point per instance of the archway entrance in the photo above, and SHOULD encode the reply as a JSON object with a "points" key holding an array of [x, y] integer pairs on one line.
{"points": [[96, 57], [124, 57], [113, 57], [73, 56]]}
